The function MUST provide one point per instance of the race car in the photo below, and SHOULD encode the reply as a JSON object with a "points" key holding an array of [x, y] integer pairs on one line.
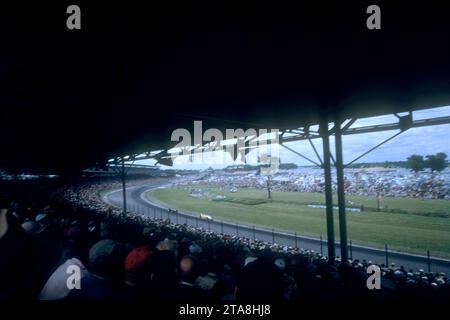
{"points": [[205, 216]]}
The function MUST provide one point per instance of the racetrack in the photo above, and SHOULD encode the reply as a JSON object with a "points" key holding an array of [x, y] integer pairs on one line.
{"points": [[137, 202]]}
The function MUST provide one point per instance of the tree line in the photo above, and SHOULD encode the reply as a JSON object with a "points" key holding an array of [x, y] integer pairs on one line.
{"points": [[436, 162]]}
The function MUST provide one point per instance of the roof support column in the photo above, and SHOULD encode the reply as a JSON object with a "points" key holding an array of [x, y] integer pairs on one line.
{"points": [[123, 176], [328, 190], [341, 192]]}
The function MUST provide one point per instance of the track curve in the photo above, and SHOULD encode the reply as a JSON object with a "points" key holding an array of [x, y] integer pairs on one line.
{"points": [[138, 203]]}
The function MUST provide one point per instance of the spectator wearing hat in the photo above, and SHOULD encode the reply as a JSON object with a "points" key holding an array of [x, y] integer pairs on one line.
{"points": [[107, 259], [290, 291], [168, 245], [137, 265], [260, 280], [24, 263], [92, 287]]}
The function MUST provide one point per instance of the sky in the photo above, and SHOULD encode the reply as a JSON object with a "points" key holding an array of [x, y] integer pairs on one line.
{"points": [[422, 141]]}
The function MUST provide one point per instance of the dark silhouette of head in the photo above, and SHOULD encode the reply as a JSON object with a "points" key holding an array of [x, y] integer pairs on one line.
{"points": [[260, 280]]}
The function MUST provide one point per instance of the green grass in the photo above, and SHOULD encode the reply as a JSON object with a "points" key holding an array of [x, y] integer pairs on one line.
{"points": [[410, 225]]}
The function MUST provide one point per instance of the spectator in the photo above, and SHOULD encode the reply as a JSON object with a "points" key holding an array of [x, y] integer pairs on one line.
{"points": [[24, 264], [207, 271], [107, 258], [92, 287], [137, 266], [260, 280]]}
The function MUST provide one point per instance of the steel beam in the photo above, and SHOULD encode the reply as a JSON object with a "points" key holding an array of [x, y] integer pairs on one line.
{"points": [[315, 151], [300, 134], [328, 191], [124, 189], [341, 192], [300, 155], [371, 149]]}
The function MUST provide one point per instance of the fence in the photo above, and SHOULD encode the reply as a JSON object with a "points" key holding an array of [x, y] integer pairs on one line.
{"points": [[293, 240]]}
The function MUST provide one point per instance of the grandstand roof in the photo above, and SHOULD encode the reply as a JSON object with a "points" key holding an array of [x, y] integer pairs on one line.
{"points": [[132, 75]]}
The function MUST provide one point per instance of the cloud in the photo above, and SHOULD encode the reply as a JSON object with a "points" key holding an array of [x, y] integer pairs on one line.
{"points": [[423, 141]]}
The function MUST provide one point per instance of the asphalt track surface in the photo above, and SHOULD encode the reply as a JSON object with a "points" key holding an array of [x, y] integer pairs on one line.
{"points": [[138, 203]]}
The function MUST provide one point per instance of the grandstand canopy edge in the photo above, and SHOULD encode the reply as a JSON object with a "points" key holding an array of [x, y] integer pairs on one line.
{"points": [[114, 90]]}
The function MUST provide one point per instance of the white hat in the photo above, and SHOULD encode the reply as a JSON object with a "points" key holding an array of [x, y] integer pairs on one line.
{"points": [[249, 260], [280, 263]]}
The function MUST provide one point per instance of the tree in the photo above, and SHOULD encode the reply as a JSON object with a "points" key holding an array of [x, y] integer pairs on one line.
{"points": [[415, 162], [287, 166], [268, 169], [437, 162], [269, 187]]}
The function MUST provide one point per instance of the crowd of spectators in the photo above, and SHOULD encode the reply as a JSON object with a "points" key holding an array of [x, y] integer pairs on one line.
{"points": [[130, 256], [394, 182]]}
